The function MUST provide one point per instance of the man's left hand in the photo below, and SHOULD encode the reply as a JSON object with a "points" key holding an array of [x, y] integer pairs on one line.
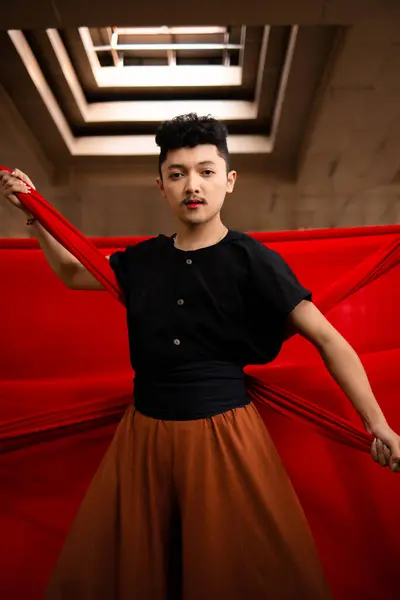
{"points": [[385, 448]]}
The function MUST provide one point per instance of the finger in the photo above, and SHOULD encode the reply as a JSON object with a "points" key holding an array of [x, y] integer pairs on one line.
{"points": [[15, 188], [11, 185], [7, 180], [381, 453], [394, 465], [374, 452], [24, 177], [11, 197], [387, 454], [394, 460]]}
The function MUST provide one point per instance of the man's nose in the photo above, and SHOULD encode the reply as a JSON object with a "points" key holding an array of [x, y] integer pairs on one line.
{"points": [[193, 184]]}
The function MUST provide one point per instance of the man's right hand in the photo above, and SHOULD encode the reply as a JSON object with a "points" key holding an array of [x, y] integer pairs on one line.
{"points": [[68, 268], [15, 182]]}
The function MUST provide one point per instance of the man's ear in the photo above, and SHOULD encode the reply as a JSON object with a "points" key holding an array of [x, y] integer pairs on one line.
{"points": [[160, 185], [232, 175]]}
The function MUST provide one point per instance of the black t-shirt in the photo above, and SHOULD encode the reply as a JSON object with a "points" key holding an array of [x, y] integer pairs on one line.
{"points": [[227, 302]]}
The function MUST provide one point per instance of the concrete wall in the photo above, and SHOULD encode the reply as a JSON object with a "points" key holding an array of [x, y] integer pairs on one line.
{"points": [[348, 171], [119, 202]]}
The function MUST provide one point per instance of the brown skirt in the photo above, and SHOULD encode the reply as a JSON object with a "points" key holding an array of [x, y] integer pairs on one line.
{"points": [[190, 510]]}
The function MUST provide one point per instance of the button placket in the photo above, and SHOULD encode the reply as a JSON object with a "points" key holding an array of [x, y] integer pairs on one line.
{"points": [[181, 302]]}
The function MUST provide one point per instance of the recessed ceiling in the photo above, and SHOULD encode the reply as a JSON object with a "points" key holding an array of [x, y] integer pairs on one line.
{"points": [[105, 90]]}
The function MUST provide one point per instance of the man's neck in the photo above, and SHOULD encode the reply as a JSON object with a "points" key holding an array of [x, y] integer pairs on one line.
{"points": [[199, 236]]}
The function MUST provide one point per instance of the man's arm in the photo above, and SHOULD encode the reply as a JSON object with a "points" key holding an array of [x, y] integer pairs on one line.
{"points": [[346, 368], [67, 268]]}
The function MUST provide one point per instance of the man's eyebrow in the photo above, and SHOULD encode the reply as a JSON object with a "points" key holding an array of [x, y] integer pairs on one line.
{"points": [[175, 166], [178, 166]]}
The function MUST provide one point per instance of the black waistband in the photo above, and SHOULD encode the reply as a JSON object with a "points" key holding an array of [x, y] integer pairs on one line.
{"points": [[190, 391]]}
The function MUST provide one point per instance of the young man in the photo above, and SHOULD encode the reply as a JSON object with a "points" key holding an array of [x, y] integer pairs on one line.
{"points": [[191, 500]]}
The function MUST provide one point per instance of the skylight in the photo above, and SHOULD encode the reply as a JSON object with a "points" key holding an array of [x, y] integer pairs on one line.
{"points": [[165, 56]]}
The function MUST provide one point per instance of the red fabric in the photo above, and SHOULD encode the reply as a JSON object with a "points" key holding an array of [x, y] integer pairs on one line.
{"points": [[65, 380]]}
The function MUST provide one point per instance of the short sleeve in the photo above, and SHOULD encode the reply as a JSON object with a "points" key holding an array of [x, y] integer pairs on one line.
{"points": [[130, 264], [123, 263], [274, 281]]}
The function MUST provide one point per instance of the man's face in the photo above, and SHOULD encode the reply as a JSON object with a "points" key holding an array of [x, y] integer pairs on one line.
{"points": [[195, 182]]}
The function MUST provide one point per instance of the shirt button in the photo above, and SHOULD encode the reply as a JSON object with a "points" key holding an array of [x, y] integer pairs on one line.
{"points": [[181, 302], [177, 342], [189, 261]]}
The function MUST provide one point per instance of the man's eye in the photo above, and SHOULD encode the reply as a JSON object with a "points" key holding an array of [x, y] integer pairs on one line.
{"points": [[208, 172], [175, 175]]}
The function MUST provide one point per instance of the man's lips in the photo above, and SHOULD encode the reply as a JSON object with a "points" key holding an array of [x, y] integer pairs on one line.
{"points": [[193, 203]]}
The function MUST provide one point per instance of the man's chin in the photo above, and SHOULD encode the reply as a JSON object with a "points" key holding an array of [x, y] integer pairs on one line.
{"points": [[195, 219]]}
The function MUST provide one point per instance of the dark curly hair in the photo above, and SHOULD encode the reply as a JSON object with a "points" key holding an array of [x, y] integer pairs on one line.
{"points": [[188, 131]]}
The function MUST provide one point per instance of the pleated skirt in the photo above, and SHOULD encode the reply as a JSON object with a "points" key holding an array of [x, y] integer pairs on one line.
{"points": [[190, 510]]}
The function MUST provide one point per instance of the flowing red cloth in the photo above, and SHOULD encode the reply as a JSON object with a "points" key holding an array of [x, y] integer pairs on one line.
{"points": [[65, 380], [96, 263]]}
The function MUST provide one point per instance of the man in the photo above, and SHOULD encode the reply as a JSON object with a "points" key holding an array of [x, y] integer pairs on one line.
{"points": [[191, 500]]}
